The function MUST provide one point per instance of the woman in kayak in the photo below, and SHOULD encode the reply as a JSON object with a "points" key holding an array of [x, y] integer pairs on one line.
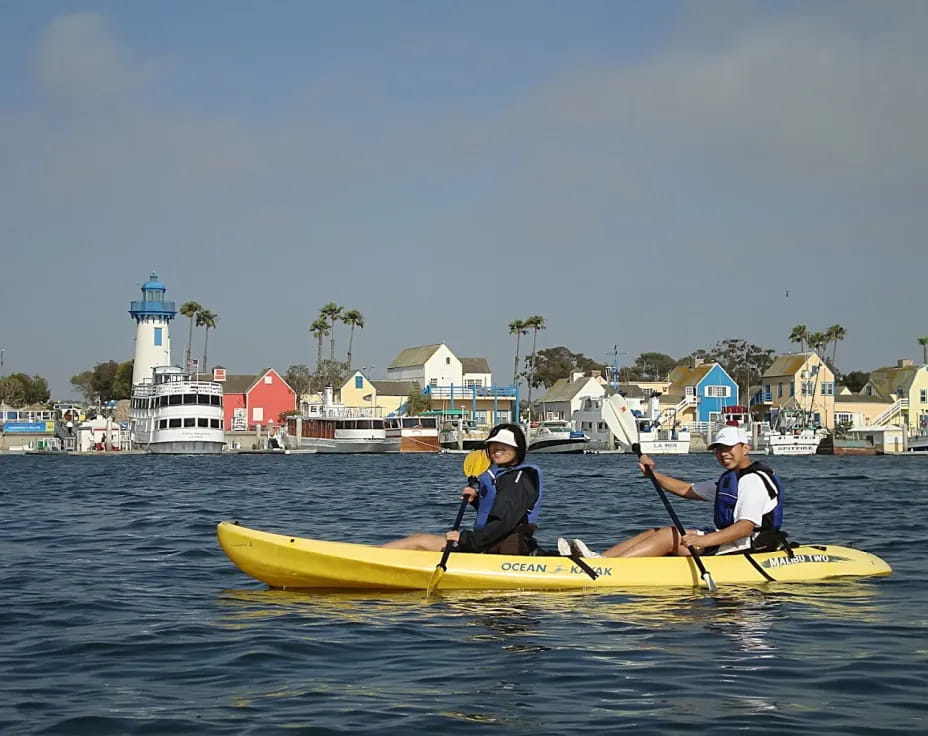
{"points": [[507, 500], [748, 502]]}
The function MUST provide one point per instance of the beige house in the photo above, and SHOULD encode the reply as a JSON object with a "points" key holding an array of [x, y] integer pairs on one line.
{"points": [[858, 410], [800, 382], [566, 396], [904, 389], [383, 396]]}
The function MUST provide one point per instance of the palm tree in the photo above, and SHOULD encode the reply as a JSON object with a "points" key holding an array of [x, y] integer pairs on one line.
{"points": [[189, 309], [331, 312], [353, 318], [319, 329], [816, 340], [799, 334], [835, 334], [207, 320], [923, 341], [517, 328], [535, 322]]}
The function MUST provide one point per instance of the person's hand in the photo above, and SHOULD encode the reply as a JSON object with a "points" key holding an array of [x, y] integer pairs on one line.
{"points": [[469, 493], [453, 536], [645, 463], [694, 539]]}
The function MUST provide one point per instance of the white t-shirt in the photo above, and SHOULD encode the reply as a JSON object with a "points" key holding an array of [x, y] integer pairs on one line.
{"points": [[753, 502]]}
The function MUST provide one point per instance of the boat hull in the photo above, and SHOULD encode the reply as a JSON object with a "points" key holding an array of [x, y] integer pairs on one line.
{"points": [[349, 446], [562, 446], [185, 447], [284, 561]]}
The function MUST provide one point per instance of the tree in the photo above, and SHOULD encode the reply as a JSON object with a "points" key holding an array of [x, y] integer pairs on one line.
{"points": [[552, 364], [417, 402], [835, 334], [83, 382], [329, 373], [856, 380], [122, 383], [799, 334], [535, 322], [353, 318], [816, 341], [651, 367], [104, 375], [517, 328], [741, 360], [923, 341], [331, 312], [12, 391], [207, 320], [319, 329], [299, 378], [189, 309]]}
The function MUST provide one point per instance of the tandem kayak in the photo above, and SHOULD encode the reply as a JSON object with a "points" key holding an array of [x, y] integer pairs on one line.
{"points": [[284, 561]]}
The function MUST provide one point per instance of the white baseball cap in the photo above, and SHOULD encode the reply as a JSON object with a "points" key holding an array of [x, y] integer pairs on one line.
{"points": [[729, 437], [504, 437]]}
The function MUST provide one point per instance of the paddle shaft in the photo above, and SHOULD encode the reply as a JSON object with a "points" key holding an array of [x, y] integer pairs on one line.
{"points": [[472, 482], [703, 572]]}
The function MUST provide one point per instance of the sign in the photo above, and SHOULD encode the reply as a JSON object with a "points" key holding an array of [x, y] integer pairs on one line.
{"points": [[28, 427], [239, 420]]}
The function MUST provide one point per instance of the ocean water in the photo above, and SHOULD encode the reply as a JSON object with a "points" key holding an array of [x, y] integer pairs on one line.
{"points": [[120, 614]]}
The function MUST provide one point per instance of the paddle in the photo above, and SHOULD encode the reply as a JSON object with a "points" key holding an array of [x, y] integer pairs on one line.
{"points": [[621, 423], [475, 464]]}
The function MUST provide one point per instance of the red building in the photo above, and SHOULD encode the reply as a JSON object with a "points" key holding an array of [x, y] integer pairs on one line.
{"points": [[253, 400]]}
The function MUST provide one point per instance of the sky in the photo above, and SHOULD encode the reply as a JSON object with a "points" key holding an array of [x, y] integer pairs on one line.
{"points": [[646, 176]]}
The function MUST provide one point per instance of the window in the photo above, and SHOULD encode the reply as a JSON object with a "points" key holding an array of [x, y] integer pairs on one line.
{"points": [[215, 400], [158, 336], [202, 422], [162, 424], [174, 423], [190, 398], [269, 379], [471, 382], [434, 382], [828, 388], [807, 388], [257, 414], [359, 381], [175, 399], [767, 389], [923, 395], [214, 423], [721, 392], [447, 361], [190, 421], [844, 417], [792, 389], [869, 390]]}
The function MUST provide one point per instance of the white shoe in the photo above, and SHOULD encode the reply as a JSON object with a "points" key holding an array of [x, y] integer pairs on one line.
{"points": [[580, 549], [563, 547]]}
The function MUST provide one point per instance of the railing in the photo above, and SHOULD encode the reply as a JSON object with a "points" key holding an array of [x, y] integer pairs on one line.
{"points": [[469, 392], [890, 412]]}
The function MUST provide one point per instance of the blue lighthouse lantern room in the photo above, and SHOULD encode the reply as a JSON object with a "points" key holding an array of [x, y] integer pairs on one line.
{"points": [[152, 316]]}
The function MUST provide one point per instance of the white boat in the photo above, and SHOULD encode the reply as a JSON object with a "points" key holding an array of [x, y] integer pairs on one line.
{"points": [[177, 413], [653, 439], [334, 428], [417, 434], [657, 441], [789, 442], [461, 434], [556, 435]]}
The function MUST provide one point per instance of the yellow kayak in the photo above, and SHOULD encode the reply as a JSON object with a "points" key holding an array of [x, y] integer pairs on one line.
{"points": [[283, 561]]}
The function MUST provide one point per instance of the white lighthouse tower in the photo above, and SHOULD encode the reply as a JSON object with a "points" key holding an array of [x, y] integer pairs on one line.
{"points": [[153, 317]]}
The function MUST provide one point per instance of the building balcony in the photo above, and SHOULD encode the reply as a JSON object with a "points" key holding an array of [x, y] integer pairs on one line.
{"points": [[147, 307]]}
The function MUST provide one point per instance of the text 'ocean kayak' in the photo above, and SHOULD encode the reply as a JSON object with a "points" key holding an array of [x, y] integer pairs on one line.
{"points": [[283, 561]]}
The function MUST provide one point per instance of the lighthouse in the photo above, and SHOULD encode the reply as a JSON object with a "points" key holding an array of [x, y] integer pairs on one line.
{"points": [[153, 317]]}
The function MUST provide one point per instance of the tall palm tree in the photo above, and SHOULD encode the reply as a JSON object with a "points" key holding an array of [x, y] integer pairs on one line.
{"points": [[353, 318], [816, 340], [799, 334], [923, 341], [517, 328], [319, 329], [535, 322], [835, 334], [189, 309], [207, 320], [331, 312]]}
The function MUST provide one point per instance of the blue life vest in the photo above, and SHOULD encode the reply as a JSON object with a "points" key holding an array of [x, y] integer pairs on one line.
{"points": [[487, 493], [726, 496]]}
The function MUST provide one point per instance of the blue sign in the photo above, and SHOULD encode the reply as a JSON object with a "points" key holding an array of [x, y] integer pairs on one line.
{"points": [[26, 427]]}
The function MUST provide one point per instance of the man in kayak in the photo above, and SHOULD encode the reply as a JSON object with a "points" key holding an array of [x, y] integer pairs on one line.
{"points": [[747, 499], [507, 500]]}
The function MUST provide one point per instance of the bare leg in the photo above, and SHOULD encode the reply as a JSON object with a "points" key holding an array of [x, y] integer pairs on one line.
{"points": [[618, 549], [429, 542], [664, 541]]}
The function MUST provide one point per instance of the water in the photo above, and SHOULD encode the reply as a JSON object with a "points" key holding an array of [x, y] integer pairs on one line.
{"points": [[121, 615]]}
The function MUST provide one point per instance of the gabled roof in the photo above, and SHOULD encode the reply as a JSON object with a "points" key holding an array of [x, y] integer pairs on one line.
{"points": [[888, 379], [787, 365], [564, 389], [684, 375], [474, 365], [394, 388], [235, 383], [414, 356], [852, 398]]}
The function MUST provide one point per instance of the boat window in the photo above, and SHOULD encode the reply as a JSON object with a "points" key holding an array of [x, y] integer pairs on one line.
{"points": [[190, 398], [190, 421], [215, 400], [174, 422], [162, 424], [203, 398], [202, 422], [365, 424], [214, 423], [175, 399]]}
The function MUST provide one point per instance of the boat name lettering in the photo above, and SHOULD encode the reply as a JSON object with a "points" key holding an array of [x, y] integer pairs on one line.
{"points": [[523, 567], [795, 560], [600, 571]]}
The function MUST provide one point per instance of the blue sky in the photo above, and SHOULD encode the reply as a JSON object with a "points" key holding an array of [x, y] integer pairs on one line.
{"points": [[649, 175]]}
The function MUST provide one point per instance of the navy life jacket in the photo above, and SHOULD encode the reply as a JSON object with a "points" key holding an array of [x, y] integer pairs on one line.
{"points": [[726, 496], [487, 493]]}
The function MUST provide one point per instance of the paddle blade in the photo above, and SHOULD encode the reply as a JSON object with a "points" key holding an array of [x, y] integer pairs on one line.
{"points": [[710, 583], [620, 420], [434, 580], [476, 463]]}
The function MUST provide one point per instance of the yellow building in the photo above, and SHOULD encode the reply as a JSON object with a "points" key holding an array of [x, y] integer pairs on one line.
{"points": [[384, 397], [904, 388], [800, 382]]}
